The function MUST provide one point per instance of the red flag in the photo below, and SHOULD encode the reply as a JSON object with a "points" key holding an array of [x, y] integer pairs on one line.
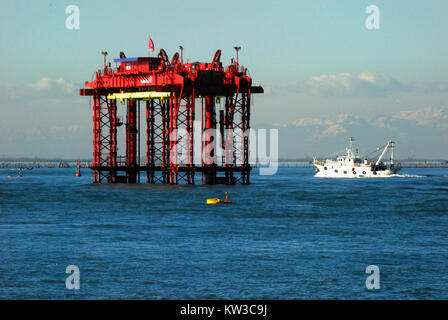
{"points": [[151, 44]]}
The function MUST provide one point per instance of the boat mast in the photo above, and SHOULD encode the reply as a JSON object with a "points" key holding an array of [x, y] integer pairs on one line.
{"points": [[383, 153], [392, 144], [350, 148]]}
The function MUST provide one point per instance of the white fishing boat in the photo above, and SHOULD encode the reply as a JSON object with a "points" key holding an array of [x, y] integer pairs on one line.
{"points": [[352, 166]]}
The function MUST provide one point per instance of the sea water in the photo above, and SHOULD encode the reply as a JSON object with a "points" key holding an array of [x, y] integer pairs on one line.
{"points": [[286, 236]]}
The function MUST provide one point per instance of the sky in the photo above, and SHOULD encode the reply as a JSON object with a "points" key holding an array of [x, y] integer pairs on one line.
{"points": [[326, 76]]}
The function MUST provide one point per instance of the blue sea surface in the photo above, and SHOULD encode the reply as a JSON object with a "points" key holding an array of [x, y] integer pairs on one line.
{"points": [[286, 236]]}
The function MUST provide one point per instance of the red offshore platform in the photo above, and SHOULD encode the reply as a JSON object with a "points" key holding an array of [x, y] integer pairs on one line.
{"points": [[171, 91]]}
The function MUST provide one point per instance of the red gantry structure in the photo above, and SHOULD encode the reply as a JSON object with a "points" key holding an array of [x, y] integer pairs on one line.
{"points": [[172, 92]]}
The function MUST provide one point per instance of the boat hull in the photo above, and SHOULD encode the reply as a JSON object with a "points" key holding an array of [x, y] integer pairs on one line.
{"points": [[328, 171]]}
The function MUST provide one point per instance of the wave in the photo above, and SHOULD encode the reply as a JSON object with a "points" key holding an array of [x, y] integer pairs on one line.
{"points": [[377, 177], [406, 176]]}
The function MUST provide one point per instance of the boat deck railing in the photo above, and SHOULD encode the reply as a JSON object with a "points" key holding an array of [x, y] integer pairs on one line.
{"points": [[319, 162]]}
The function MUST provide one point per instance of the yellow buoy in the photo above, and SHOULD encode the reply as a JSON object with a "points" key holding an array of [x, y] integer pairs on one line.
{"points": [[214, 201], [217, 200]]}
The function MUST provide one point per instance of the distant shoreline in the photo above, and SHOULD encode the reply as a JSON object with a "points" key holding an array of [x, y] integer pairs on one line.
{"points": [[32, 160], [299, 162]]}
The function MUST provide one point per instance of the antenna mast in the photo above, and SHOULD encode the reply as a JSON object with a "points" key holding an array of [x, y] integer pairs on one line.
{"points": [[181, 54], [237, 49], [104, 53]]}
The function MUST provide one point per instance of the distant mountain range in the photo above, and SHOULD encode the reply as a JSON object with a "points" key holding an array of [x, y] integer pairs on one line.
{"points": [[421, 134]]}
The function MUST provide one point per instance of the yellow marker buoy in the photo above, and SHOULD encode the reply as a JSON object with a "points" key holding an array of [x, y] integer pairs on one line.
{"points": [[214, 201], [217, 200]]}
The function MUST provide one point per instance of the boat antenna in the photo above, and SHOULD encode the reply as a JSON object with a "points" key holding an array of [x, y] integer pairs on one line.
{"points": [[392, 144], [351, 139], [350, 147]]}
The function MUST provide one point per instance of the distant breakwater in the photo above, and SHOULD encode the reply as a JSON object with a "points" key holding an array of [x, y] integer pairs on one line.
{"points": [[283, 163]]}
